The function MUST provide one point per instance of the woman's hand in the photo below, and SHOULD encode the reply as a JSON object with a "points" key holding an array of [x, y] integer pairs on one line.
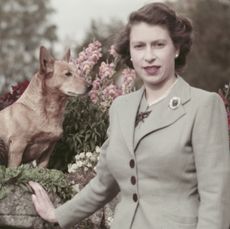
{"points": [[42, 203]]}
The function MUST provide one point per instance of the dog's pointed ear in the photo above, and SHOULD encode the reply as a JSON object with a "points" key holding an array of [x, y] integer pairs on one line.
{"points": [[45, 60], [67, 56]]}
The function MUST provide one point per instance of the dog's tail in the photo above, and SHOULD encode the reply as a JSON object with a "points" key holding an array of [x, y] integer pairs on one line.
{"points": [[3, 153]]}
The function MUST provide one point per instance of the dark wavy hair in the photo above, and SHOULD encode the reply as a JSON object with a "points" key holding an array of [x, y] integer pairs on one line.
{"points": [[179, 27]]}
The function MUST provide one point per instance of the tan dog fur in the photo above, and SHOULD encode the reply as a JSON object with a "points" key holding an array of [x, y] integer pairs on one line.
{"points": [[30, 127]]}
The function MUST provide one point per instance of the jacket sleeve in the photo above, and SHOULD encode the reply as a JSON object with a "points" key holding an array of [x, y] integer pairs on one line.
{"points": [[212, 158], [99, 191]]}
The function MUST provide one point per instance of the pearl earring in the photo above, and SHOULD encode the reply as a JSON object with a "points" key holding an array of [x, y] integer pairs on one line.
{"points": [[176, 55], [131, 59]]}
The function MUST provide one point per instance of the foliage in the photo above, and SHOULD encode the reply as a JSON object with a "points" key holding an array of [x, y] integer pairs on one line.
{"points": [[208, 65], [84, 128], [54, 181], [10, 97], [24, 27], [86, 119]]}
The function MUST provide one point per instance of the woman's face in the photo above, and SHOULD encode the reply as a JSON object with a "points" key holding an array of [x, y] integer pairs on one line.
{"points": [[152, 53]]}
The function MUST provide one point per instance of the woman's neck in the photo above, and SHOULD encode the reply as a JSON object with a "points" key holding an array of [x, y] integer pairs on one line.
{"points": [[155, 92]]}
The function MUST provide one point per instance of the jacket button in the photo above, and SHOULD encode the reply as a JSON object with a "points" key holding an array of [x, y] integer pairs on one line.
{"points": [[132, 163], [133, 180], [135, 198]]}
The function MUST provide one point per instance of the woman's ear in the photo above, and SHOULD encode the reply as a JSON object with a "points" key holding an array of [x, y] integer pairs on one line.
{"points": [[177, 52]]}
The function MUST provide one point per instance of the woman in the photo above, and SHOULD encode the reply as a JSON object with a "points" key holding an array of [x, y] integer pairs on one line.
{"points": [[168, 153]]}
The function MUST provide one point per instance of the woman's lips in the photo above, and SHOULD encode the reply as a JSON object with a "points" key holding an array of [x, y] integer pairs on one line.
{"points": [[151, 70]]}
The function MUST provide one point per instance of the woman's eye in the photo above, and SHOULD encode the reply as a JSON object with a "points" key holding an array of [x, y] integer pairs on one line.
{"points": [[68, 74], [160, 45], [138, 46]]}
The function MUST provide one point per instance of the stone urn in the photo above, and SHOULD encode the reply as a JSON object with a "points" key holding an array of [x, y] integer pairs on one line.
{"points": [[17, 211]]}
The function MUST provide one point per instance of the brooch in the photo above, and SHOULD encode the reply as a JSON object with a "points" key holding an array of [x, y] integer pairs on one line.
{"points": [[174, 103], [141, 116]]}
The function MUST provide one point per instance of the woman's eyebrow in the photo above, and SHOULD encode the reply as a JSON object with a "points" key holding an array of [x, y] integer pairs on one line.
{"points": [[153, 41]]}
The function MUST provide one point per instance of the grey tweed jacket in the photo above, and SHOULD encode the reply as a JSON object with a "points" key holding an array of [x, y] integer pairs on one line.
{"points": [[176, 176]]}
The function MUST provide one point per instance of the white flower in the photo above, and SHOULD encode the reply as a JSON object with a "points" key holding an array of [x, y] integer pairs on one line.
{"points": [[72, 168], [82, 155], [69, 168], [84, 163], [174, 103], [98, 149], [89, 154], [110, 220], [76, 187], [77, 157], [85, 160], [89, 165], [86, 169], [94, 158], [95, 168], [79, 164]]}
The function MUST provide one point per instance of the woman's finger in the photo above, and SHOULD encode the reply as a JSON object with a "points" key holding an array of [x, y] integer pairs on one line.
{"points": [[36, 203], [42, 202]]}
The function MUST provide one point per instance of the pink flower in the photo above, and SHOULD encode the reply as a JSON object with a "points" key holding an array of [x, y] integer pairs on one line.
{"points": [[96, 84], [93, 96], [128, 77], [106, 70], [104, 90], [113, 52], [87, 59]]}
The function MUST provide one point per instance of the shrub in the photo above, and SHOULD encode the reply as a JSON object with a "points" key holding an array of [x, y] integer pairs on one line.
{"points": [[84, 128], [54, 181], [86, 119], [10, 97]]}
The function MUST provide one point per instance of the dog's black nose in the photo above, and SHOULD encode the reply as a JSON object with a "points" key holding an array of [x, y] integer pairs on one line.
{"points": [[89, 87]]}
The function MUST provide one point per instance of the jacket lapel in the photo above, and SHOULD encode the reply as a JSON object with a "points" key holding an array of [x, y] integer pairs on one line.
{"points": [[127, 116], [160, 117]]}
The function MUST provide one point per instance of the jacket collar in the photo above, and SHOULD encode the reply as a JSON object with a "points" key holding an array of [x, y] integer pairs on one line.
{"points": [[161, 117]]}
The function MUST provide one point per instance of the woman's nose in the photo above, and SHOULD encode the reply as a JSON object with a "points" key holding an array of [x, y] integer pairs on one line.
{"points": [[149, 55]]}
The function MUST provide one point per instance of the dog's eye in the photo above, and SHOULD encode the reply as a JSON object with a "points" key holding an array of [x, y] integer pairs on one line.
{"points": [[68, 74]]}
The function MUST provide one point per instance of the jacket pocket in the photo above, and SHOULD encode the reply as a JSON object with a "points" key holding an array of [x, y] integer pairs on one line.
{"points": [[180, 222]]}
